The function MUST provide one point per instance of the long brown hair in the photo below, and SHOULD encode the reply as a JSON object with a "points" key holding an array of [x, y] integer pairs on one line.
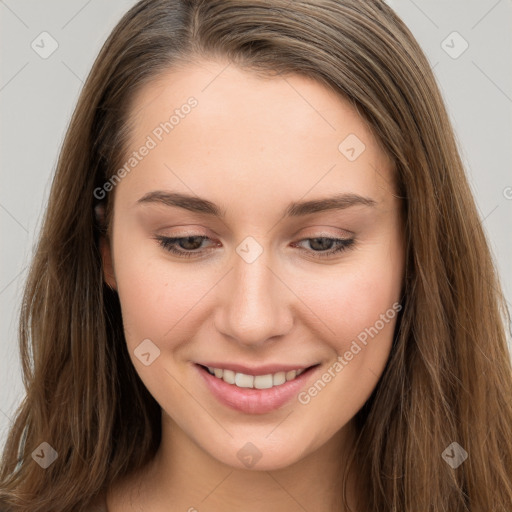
{"points": [[448, 378]]}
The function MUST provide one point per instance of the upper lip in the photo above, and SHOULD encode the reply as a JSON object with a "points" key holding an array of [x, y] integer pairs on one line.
{"points": [[255, 370]]}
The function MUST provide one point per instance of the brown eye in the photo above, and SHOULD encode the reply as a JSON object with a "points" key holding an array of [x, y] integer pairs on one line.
{"points": [[186, 246], [325, 246]]}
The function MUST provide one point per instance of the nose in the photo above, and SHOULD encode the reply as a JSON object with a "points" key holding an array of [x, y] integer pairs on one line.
{"points": [[254, 303]]}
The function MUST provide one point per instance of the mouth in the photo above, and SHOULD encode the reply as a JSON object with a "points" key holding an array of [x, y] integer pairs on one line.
{"points": [[252, 391], [255, 379]]}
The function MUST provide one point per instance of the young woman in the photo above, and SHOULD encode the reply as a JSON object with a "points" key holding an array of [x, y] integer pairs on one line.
{"points": [[261, 283]]}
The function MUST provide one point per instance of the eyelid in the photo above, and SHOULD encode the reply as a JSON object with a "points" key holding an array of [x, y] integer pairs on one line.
{"points": [[168, 243]]}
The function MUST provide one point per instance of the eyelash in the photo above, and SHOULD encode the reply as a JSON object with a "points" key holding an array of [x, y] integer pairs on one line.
{"points": [[168, 243]]}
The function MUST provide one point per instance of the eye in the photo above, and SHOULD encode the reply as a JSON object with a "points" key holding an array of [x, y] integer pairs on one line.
{"points": [[190, 246], [324, 247]]}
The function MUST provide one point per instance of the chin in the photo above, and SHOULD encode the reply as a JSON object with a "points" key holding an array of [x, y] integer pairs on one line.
{"points": [[260, 453]]}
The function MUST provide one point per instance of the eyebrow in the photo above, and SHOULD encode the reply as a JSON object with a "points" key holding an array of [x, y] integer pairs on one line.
{"points": [[294, 209]]}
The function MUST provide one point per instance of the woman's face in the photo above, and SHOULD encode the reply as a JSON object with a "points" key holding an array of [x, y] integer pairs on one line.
{"points": [[289, 257]]}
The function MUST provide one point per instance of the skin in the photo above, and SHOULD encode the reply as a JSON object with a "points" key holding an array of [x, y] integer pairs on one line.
{"points": [[252, 146]]}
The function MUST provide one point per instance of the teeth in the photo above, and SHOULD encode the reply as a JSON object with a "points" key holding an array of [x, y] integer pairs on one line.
{"points": [[242, 380], [291, 375], [263, 381], [228, 376], [279, 378]]}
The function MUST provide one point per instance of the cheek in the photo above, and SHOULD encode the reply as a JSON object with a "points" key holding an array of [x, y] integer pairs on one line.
{"points": [[163, 303], [364, 322], [359, 297], [362, 309], [158, 298]]}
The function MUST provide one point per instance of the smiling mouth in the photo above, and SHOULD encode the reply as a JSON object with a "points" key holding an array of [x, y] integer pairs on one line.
{"points": [[243, 380]]}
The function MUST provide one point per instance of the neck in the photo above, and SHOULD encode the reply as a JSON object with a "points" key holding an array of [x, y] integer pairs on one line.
{"points": [[184, 477]]}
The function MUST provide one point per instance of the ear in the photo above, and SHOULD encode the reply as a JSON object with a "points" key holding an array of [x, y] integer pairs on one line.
{"points": [[106, 257]]}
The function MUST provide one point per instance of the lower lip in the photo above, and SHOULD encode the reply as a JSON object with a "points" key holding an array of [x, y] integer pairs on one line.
{"points": [[250, 400]]}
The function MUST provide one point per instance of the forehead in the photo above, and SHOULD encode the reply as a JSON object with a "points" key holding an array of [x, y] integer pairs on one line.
{"points": [[287, 132]]}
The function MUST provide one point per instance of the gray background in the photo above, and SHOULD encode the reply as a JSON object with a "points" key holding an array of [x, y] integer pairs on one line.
{"points": [[38, 95]]}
